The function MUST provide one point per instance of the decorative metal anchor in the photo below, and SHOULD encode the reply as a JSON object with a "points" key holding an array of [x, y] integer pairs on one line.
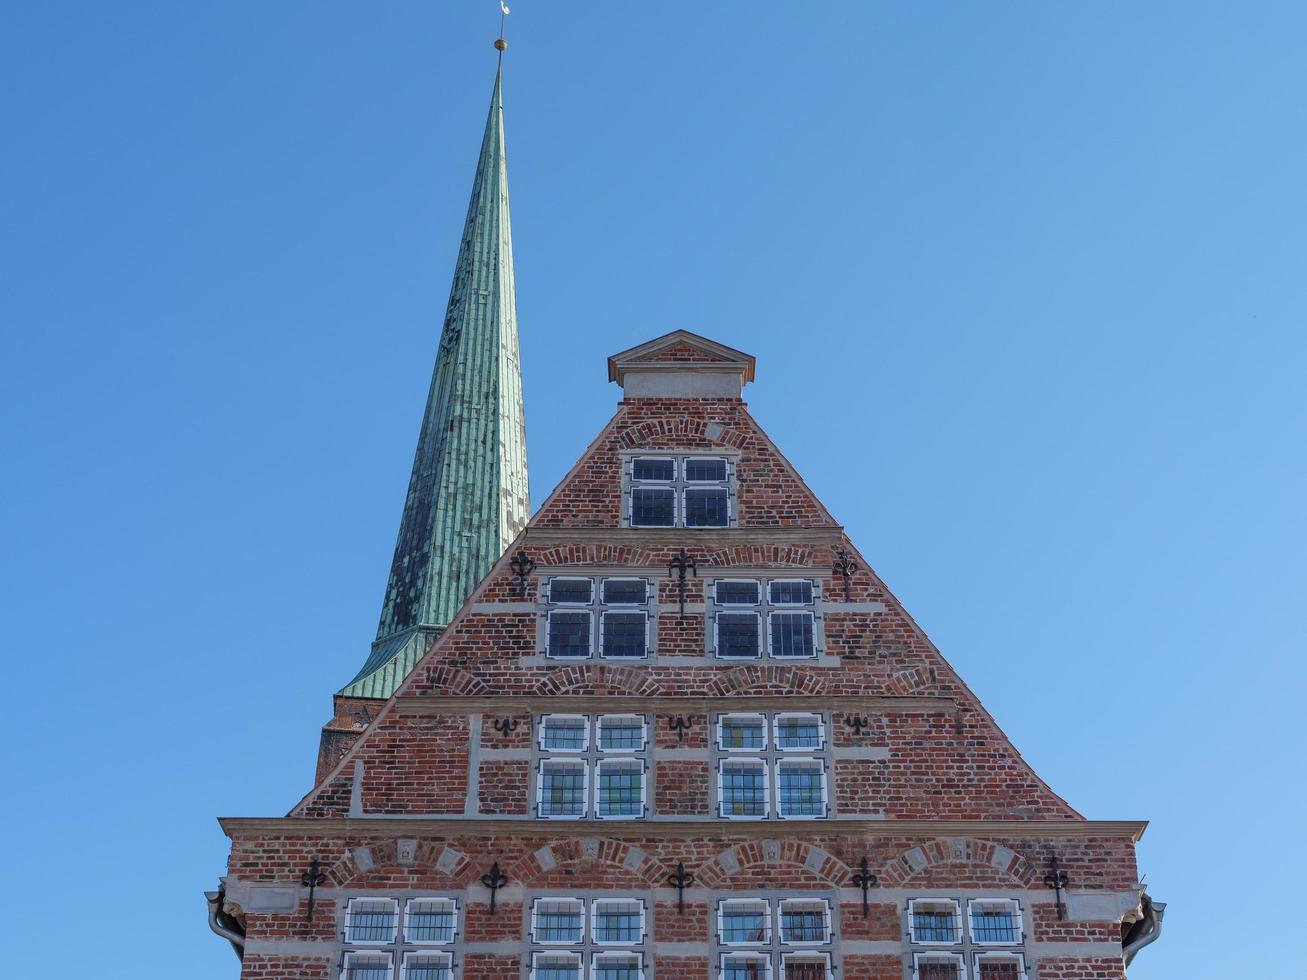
{"points": [[522, 565], [680, 881], [1056, 879], [311, 879], [857, 723], [679, 724], [845, 567], [678, 566], [864, 879], [505, 725], [495, 880]]}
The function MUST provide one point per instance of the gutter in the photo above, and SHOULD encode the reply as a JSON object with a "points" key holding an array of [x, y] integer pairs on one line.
{"points": [[1145, 931], [222, 924]]}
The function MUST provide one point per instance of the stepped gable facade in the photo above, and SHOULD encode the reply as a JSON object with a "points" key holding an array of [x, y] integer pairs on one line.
{"points": [[682, 730]]}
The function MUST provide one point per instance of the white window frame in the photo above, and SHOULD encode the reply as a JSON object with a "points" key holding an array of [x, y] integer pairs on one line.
{"points": [[806, 956], [745, 954], [740, 610], [752, 762], [807, 715], [572, 610], [599, 955], [685, 470], [939, 954], [799, 762], [539, 954], [368, 900], [756, 583], [599, 734], [1014, 906], [651, 485], [790, 611], [912, 921], [562, 762], [451, 903], [624, 610], [594, 922], [366, 953], [812, 588], [711, 485], [561, 900], [1000, 955], [585, 728], [757, 716], [676, 470], [447, 954], [571, 602], [630, 764], [604, 601], [825, 918], [722, 906]]}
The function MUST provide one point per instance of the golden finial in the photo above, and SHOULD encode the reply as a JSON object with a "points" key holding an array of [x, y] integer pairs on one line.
{"points": [[501, 44]]}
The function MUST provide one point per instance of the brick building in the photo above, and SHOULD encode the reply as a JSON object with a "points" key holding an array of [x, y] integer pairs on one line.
{"points": [[679, 728]]}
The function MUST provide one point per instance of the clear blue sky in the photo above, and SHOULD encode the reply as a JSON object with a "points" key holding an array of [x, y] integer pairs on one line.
{"points": [[1025, 282]]}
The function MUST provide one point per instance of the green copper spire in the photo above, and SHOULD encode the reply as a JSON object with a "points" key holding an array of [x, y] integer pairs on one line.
{"points": [[467, 497]]}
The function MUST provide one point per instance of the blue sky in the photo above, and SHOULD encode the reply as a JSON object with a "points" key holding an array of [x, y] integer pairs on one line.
{"points": [[1025, 284]]}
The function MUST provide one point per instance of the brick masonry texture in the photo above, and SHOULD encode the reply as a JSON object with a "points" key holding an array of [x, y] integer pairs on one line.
{"points": [[912, 761]]}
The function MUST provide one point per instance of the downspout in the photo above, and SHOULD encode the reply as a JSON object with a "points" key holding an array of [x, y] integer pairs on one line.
{"points": [[1145, 931], [225, 925]]}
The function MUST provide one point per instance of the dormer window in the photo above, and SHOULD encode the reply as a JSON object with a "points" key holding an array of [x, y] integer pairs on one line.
{"points": [[679, 491]]}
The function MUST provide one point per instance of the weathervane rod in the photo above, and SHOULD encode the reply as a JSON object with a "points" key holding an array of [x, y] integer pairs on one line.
{"points": [[500, 44]]}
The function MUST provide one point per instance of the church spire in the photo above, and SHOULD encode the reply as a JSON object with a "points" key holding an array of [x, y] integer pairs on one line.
{"points": [[467, 496]]}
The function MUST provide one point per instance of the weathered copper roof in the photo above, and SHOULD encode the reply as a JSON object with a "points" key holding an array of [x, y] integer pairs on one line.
{"points": [[467, 496]]}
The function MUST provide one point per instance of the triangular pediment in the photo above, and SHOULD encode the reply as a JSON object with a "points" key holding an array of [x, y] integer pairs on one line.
{"points": [[682, 350]]}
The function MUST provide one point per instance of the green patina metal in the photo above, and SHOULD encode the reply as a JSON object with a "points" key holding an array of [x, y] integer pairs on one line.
{"points": [[467, 497]]}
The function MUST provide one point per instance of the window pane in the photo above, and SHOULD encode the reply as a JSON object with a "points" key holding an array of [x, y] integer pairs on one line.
{"points": [[653, 507], [427, 967], [744, 790], [744, 924], [569, 634], [624, 634], [557, 968], [621, 734], [617, 922], [791, 634], [706, 508], [738, 968], [562, 791], [743, 733], [430, 921], [646, 468], [370, 922], [790, 592], [737, 635], [616, 968], [801, 791], [705, 470], [939, 970], [799, 732], [624, 591], [803, 923], [736, 593], [934, 924], [999, 970], [994, 923], [557, 922], [564, 734], [570, 590], [805, 969], [374, 967], [620, 792]]}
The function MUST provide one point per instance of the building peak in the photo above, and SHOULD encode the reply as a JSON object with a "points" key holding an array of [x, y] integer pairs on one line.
{"points": [[681, 364]]}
